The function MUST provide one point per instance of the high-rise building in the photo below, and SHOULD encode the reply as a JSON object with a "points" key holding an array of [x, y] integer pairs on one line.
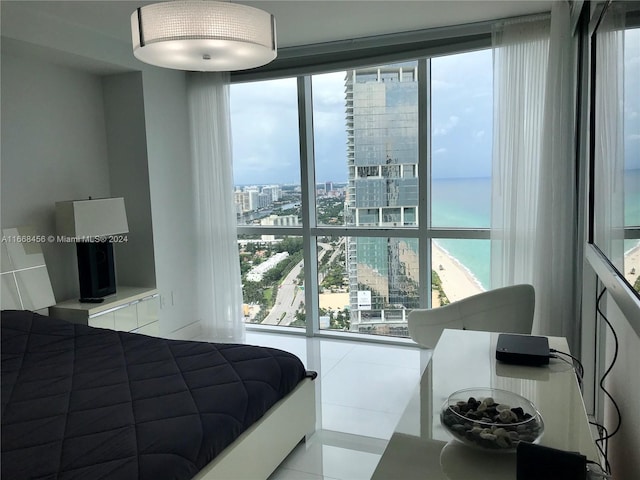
{"points": [[274, 190], [264, 200], [251, 198], [279, 220], [382, 157], [238, 197]]}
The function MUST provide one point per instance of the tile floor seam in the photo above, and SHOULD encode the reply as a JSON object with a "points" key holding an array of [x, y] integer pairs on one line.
{"points": [[388, 412], [379, 364], [310, 470]]}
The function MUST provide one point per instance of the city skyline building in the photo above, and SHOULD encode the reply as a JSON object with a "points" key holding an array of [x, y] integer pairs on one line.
{"points": [[274, 190], [279, 220], [382, 160], [255, 197]]}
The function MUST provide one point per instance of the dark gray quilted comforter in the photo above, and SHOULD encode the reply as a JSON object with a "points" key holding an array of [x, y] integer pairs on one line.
{"points": [[87, 403]]}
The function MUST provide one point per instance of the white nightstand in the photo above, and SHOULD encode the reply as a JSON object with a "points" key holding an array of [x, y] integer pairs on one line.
{"points": [[130, 309]]}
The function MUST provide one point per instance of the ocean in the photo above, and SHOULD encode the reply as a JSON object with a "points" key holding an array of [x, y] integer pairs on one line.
{"points": [[631, 204], [466, 202]]}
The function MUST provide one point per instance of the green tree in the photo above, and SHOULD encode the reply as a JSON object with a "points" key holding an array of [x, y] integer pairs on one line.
{"points": [[341, 320], [436, 284], [301, 318], [253, 292], [289, 244]]}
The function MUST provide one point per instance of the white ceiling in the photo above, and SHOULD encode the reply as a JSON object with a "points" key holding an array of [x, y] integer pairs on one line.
{"points": [[301, 22]]}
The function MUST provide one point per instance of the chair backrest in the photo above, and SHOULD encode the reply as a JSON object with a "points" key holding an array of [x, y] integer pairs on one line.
{"points": [[508, 309]]}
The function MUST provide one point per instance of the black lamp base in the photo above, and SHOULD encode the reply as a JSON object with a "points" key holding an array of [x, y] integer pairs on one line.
{"points": [[96, 269]]}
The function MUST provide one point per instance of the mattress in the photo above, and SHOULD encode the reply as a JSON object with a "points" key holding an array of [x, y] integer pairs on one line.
{"points": [[82, 402]]}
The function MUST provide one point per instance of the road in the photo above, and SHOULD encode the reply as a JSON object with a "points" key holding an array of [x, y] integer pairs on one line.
{"points": [[289, 295], [288, 298]]}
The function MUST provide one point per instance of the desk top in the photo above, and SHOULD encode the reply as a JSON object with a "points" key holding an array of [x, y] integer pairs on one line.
{"points": [[421, 449]]}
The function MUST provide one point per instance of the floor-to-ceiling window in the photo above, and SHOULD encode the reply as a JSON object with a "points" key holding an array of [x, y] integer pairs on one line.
{"points": [[398, 207], [631, 116], [267, 194]]}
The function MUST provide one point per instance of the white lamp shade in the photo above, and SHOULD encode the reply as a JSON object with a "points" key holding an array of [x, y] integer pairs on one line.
{"points": [[86, 219], [203, 35]]}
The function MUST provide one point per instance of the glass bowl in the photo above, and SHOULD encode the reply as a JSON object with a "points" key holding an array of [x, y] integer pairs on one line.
{"points": [[491, 419]]}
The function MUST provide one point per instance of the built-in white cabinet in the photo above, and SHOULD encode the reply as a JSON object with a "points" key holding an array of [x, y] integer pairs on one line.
{"points": [[131, 309]]}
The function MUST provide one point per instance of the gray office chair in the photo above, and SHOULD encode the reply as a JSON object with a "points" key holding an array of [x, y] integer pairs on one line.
{"points": [[508, 309]]}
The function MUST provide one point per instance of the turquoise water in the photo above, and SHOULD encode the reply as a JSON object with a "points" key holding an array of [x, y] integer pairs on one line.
{"points": [[461, 202], [631, 204], [466, 202], [474, 255]]}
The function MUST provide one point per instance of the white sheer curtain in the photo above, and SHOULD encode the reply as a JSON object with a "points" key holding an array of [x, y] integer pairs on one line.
{"points": [[520, 59], [533, 204], [219, 296]]}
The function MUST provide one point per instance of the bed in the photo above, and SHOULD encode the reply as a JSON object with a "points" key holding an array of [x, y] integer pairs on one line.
{"points": [[83, 402]]}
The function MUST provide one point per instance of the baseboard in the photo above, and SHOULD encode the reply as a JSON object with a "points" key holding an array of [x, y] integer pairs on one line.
{"points": [[192, 331]]}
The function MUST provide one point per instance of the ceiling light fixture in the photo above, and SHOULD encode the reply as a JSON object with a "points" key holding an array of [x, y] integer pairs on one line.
{"points": [[203, 35]]}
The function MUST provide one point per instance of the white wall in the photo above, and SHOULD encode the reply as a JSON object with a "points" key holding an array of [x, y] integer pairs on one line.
{"points": [[53, 148], [40, 36], [171, 184], [129, 173], [624, 385]]}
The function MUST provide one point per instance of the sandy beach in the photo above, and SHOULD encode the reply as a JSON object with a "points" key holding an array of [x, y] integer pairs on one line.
{"points": [[632, 264], [333, 301], [457, 282]]}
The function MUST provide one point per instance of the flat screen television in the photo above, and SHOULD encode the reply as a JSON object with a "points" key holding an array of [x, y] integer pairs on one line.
{"points": [[96, 269]]}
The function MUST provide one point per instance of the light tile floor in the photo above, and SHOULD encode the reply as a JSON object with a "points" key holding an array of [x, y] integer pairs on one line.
{"points": [[362, 391]]}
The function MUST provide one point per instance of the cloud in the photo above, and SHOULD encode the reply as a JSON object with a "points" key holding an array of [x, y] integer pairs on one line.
{"points": [[265, 124], [441, 85], [445, 128], [329, 120], [328, 91]]}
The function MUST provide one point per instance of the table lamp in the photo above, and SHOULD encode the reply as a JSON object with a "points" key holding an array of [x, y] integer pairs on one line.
{"points": [[91, 224]]}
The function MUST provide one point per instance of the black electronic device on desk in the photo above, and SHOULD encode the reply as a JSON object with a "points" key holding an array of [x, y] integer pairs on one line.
{"points": [[522, 349], [537, 462]]}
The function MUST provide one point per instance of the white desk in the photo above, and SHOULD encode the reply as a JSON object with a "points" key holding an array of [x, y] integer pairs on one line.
{"points": [[421, 449]]}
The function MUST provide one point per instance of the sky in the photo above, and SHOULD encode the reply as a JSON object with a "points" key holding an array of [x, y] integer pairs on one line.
{"points": [[265, 123], [632, 99]]}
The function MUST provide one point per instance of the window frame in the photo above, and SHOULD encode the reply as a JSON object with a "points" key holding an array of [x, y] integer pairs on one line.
{"points": [[446, 41]]}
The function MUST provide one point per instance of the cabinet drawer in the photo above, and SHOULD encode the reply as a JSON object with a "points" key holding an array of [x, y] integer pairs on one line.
{"points": [[129, 309], [152, 329], [148, 309], [126, 318], [106, 320]]}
